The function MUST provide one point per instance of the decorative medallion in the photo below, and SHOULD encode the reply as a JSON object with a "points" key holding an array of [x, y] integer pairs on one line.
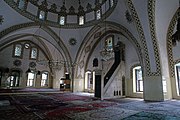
{"points": [[32, 64], [17, 63], [1, 19], [72, 41], [27, 45]]}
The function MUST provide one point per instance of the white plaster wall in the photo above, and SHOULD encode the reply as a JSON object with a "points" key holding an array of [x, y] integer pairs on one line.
{"points": [[7, 62], [118, 16], [144, 19], [78, 85], [116, 84], [10, 16], [67, 34], [165, 9]]}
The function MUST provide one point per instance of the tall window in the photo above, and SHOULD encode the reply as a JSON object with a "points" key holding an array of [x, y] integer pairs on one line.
{"points": [[18, 50], [137, 78], [44, 79], [89, 81], [81, 20], [62, 20], [14, 78], [34, 52], [177, 72], [42, 15], [109, 43], [98, 14], [30, 81]]}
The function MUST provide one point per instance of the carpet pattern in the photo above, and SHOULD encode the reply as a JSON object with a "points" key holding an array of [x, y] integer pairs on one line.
{"points": [[151, 116], [27, 90], [70, 106]]}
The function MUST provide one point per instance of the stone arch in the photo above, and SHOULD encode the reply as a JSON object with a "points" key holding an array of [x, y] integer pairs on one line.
{"points": [[111, 27], [46, 29]]}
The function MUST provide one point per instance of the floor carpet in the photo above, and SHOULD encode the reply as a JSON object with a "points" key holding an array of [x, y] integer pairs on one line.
{"points": [[71, 106]]}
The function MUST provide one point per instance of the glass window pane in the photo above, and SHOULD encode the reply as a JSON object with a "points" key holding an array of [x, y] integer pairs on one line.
{"points": [[62, 20], [81, 20], [109, 43], [177, 66], [30, 81], [42, 15], [138, 79], [18, 50], [34, 53], [44, 79], [98, 14]]}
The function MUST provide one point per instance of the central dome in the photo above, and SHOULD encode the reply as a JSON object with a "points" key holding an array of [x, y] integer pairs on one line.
{"points": [[65, 13]]}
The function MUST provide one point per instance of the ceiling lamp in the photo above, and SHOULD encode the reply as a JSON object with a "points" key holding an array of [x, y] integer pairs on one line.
{"points": [[176, 35], [106, 55], [53, 64]]}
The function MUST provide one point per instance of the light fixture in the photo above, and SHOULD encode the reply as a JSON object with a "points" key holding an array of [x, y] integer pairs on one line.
{"points": [[53, 64], [106, 53], [176, 35]]}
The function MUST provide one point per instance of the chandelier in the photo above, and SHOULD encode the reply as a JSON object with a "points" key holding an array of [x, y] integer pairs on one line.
{"points": [[107, 54], [53, 64]]}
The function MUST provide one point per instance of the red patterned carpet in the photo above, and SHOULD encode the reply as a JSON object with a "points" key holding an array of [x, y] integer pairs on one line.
{"points": [[49, 105], [72, 106]]}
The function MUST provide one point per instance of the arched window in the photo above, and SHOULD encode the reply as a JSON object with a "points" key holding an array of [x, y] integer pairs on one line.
{"points": [[137, 79], [109, 41], [98, 14], [81, 20], [95, 62], [44, 79], [31, 79], [89, 81], [62, 20], [14, 78], [17, 50], [34, 53], [42, 15]]}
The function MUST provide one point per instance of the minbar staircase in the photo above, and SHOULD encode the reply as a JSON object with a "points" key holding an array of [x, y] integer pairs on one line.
{"points": [[111, 75], [113, 67]]}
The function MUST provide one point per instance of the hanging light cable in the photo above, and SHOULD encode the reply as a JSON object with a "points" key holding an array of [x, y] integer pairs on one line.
{"points": [[106, 53]]}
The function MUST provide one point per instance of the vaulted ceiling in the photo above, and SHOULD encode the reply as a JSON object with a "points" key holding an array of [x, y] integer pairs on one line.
{"points": [[147, 20]]}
